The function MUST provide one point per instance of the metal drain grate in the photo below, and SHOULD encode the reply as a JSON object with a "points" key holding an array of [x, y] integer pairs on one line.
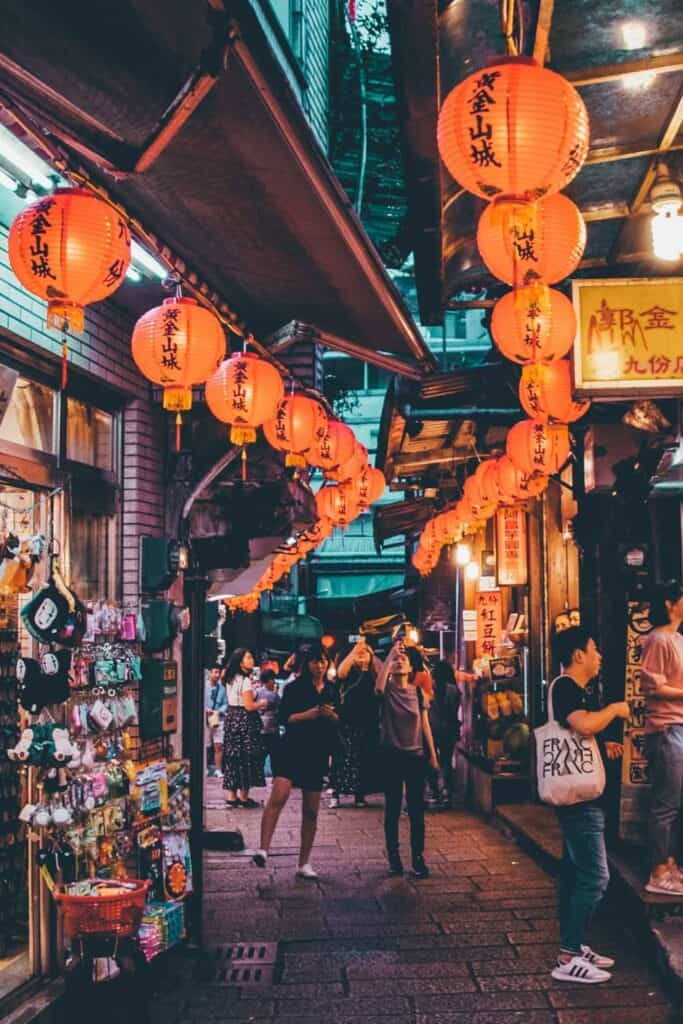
{"points": [[246, 963]]}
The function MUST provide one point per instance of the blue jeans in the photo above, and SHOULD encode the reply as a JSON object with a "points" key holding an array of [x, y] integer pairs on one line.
{"points": [[665, 754], [584, 873]]}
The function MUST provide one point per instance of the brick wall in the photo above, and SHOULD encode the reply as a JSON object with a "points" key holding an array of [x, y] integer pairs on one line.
{"points": [[104, 351]]}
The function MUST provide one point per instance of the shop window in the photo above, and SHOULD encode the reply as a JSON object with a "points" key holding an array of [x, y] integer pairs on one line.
{"points": [[27, 412], [92, 546], [378, 379], [89, 435], [344, 372]]}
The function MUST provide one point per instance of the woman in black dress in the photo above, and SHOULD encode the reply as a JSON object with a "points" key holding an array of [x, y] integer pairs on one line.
{"points": [[243, 755], [354, 767], [310, 720]]}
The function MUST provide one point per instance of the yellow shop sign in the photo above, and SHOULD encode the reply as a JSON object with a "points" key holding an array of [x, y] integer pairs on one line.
{"points": [[629, 336]]}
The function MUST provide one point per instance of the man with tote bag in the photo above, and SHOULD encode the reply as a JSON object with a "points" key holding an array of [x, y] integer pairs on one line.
{"points": [[571, 775]]}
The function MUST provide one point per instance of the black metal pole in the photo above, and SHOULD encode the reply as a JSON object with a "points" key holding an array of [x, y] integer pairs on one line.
{"points": [[193, 738]]}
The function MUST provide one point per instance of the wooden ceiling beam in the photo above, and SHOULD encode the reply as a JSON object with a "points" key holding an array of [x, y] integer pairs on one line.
{"points": [[543, 23], [610, 154], [610, 72]]}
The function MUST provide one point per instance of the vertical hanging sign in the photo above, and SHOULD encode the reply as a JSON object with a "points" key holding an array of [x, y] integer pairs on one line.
{"points": [[489, 622], [634, 768], [511, 546]]}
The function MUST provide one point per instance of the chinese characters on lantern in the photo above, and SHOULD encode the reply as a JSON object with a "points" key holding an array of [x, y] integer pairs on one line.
{"points": [[169, 330], [511, 546], [239, 392], [629, 336], [489, 622], [482, 153], [39, 248]]}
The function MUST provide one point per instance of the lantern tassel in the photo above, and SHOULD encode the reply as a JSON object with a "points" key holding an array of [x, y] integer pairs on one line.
{"points": [[244, 464], [178, 429], [65, 363]]}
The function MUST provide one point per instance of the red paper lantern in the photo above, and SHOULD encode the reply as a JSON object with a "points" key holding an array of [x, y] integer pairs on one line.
{"points": [[522, 242], [535, 324], [338, 503], [70, 248], [545, 393], [513, 129], [335, 448], [537, 447], [352, 468], [371, 485], [245, 392], [177, 345], [299, 423], [515, 485]]}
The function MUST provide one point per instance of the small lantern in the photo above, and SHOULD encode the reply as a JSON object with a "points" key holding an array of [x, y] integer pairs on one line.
{"points": [[299, 423], [245, 392], [513, 129], [352, 468], [70, 248], [370, 488], [516, 485], [334, 449], [524, 242], [338, 503], [535, 324], [175, 346], [537, 447], [545, 393]]}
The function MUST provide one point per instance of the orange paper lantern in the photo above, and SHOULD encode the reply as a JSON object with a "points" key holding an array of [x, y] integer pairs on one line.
{"points": [[298, 424], [338, 503], [545, 393], [371, 484], [245, 392], [535, 324], [70, 248], [352, 468], [522, 242], [177, 345], [516, 485], [335, 448], [513, 129], [537, 447]]}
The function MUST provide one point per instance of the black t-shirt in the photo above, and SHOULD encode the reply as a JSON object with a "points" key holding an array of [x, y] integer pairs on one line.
{"points": [[569, 697], [301, 695]]}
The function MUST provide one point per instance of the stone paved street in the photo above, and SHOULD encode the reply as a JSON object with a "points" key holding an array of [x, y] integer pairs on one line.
{"points": [[473, 944]]}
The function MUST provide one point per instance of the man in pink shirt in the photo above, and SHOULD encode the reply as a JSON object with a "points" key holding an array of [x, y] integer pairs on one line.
{"points": [[662, 683]]}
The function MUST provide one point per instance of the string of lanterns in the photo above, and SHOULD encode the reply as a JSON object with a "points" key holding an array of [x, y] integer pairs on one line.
{"points": [[515, 134], [72, 248]]}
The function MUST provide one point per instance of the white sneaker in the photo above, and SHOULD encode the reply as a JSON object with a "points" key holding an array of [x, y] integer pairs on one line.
{"points": [[597, 959], [582, 971], [334, 802], [260, 858], [306, 871], [667, 885]]}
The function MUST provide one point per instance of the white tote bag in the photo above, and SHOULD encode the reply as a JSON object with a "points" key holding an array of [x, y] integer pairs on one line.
{"points": [[569, 767]]}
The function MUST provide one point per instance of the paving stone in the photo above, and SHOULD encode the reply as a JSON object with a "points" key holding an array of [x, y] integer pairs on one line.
{"points": [[331, 1010], [635, 1015], [402, 970], [473, 1002], [606, 995], [413, 986], [488, 1017]]}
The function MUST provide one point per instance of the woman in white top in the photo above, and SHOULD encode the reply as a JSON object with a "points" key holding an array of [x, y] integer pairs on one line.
{"points": [[243, 755]]}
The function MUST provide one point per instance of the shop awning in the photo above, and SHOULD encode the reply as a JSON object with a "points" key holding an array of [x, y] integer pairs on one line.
{"points": [[192, 124]]}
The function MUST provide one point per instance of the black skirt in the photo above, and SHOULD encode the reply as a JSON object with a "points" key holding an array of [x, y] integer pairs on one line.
{"points": [[243, 752]]}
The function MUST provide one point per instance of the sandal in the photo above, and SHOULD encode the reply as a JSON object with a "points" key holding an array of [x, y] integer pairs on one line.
{"points": [[232, 804]]}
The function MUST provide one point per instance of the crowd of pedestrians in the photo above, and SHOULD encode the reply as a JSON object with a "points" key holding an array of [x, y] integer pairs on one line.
{"points": [[356, 726]]}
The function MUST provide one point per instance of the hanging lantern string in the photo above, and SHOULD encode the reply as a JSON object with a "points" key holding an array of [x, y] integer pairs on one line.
{"points": [[54, 153], [65, 356], [511, 15]]}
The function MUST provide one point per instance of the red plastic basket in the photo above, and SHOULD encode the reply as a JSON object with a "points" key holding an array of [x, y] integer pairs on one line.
{"points": [[116, 914]]}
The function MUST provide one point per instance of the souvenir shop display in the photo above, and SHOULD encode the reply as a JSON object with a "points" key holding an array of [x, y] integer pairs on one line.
{"points": [[12, 854]]}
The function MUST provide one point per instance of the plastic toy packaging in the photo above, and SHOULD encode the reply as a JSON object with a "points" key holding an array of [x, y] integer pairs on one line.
{"points": [[149, 789], [177, 864]]}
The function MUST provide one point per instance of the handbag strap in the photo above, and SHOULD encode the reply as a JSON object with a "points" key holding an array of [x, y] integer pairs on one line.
{"points": [[551, 712]]}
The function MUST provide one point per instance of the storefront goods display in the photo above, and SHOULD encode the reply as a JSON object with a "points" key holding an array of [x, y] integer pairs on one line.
{"points": [[54, 614], [19, 556], [513, 129], [534, 324], [100, 907], [522, 242], [12, 851], [178, 345]]}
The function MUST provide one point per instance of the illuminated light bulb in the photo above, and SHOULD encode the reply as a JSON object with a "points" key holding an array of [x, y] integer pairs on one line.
{"points": [[634, 35], [605, 364], [472, 571], [667, 236], [639, 81], [462, 554], [413, 636]]}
